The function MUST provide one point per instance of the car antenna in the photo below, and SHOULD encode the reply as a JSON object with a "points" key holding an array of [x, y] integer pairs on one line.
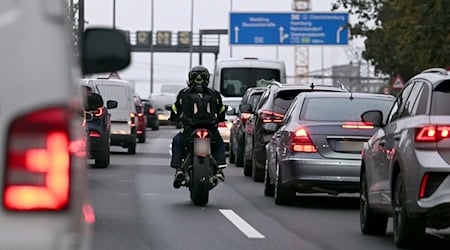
{"points": [[351, 95], [312, 86]]}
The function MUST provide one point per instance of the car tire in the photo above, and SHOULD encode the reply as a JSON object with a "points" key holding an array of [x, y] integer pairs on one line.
{"points": [[102, 158], [155, 128], [408, 231], [240, 153], [132, 149], [142, 137], [282, 195], [257, 174], [371, 223], [269, 189], [247, 168], [231, 157]]}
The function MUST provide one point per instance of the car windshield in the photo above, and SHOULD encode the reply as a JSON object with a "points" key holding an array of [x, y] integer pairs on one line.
{"points": [[341, 109], [236, 81]]}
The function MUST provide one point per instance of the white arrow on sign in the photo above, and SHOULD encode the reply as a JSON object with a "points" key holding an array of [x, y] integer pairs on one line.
{"points": [[282, 35], [338, 34], [236, 34]]}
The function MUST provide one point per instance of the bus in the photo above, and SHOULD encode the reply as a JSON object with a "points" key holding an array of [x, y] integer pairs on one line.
{"points": [[233, 76]]}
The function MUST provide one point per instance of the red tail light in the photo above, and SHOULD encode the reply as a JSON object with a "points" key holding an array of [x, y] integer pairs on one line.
{"points": [[37, 173], [151, 111], [432, 133], [99, 112], [245, 117], [132, 119], [140, 114], [269, 116], [94, 134], [301, 142], [222, 124], [357, 125], [202, 133]]}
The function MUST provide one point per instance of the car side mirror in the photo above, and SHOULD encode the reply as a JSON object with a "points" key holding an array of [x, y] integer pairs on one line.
{"points": [[245, 108], [104, 50], [168, 107], [111, 104], [374, 117]]}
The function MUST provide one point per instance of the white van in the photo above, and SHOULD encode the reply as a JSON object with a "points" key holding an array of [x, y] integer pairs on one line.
{"points": [[123, 118], [233, 76]]}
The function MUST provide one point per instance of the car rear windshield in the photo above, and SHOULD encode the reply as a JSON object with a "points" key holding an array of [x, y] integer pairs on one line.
{"points": [[235, 81], [283, 99], [440, 101], [341, 109], [254, 99]]}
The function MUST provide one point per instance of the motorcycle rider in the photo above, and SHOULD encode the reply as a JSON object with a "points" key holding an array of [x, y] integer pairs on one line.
{"points": [[192, 117]]}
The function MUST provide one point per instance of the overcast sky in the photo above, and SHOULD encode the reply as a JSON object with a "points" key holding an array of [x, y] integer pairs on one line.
{"points": [[174, 15]]}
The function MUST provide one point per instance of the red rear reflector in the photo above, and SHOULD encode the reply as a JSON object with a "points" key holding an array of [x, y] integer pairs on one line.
{"points": [[94, 134], [301, 142], [423, 186], [432, 133], [88, 214], [357, 125], [37, 173]]}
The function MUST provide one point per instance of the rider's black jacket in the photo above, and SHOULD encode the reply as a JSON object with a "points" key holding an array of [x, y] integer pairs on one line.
{"points": [[198, 107]]}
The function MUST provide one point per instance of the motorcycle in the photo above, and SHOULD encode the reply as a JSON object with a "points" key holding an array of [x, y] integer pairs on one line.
{"points": [[199, 166]]}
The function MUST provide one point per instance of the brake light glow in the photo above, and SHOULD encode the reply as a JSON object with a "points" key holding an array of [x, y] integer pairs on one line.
{"points": [[99, 111], [222, 125], [132, 119], [432, 133], [357, 125], [269, 116], [37, 173], [140, 114], [301, 142], [151, 111]]}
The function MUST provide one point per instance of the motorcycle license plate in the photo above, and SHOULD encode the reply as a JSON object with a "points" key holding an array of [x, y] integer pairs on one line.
{"points": [[201, 146]]}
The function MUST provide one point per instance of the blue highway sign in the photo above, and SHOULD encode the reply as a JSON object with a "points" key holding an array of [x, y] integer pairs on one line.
{"points": [[294, 28]]}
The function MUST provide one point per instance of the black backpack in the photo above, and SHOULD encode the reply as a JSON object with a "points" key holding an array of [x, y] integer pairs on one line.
{"points": [[199, 108]]}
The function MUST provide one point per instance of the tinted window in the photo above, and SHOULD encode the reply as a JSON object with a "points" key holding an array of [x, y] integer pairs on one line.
{"points": [[412, 99], [341, 109], [254, 99], [440, 101], [283, 99], [235, 81]]}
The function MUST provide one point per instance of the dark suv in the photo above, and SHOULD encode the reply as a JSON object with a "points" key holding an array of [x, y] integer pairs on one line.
{"points": [[237, 132], [270, 109], [150, 110], [99, 130]]}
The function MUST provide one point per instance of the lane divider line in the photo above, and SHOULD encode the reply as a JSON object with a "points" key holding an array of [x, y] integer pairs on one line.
{"points": [[241, 224]]}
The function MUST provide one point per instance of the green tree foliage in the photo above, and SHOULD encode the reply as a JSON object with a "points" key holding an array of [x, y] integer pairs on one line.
{"points": [[402, 36]]}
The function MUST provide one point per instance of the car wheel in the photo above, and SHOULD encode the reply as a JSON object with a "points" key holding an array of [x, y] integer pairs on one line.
{"points": [[370, 222], [247, 168], [408, 232], [269, 189], [240, 153], [283, 195], [132, 149], [231, 157], [155, 128], [257, 174], [142, 137], [102, 159]]}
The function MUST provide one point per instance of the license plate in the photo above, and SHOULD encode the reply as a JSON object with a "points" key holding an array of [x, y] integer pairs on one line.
{"points": [[349, 146], [201, 147]]}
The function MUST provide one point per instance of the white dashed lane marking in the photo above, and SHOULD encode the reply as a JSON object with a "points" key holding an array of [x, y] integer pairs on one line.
{"points": [[241, 224]]}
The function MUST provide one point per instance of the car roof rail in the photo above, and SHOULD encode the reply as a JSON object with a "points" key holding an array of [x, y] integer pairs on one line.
{"points": [[441, 71]]}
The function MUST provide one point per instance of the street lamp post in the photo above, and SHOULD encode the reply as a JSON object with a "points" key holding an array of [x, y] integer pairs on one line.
{"points": [[114, 14], [151, 45], [192, 35], [229, 16]]}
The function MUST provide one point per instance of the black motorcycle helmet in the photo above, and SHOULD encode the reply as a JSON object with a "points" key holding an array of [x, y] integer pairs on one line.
{"points": [[199, 75]]}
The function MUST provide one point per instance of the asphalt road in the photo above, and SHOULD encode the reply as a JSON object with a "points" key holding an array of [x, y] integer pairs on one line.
{"points": [[137, 208]]}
